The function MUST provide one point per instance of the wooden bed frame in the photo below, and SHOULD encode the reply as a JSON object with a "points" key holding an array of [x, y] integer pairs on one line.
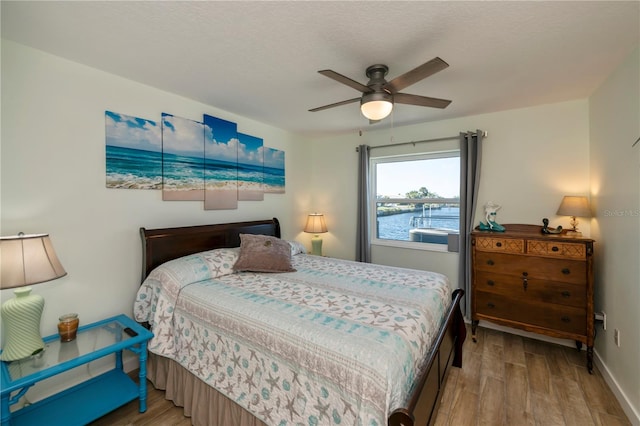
{"points": [[162, 245]]}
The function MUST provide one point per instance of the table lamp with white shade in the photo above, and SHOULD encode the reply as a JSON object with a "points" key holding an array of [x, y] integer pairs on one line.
{"points": [[316, 225], [574, 206], [25, 260]]}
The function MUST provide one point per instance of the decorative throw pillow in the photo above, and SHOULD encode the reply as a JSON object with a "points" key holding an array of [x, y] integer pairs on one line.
{"points": [[262, 253]]}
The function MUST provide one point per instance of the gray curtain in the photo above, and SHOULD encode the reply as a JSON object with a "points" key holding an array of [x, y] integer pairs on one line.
{"points": [[363, 240], [470, 159]]}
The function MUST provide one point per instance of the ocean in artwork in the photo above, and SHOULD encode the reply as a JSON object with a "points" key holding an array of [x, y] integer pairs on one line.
{"points": [[223, 173], [138, 169], [132, 168], [182, 172], [273, 180]]}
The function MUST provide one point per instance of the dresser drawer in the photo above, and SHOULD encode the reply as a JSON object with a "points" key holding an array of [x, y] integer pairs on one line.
{"points": [[498, 244], [557, 249], [555, 317], [542, 291], [560, 270]]}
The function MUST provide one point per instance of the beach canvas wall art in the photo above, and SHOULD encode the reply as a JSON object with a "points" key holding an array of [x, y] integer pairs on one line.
{"points": [[182, 159], [273, 177], [189, 160], [250, 168], [133, 152], [220, 164]]}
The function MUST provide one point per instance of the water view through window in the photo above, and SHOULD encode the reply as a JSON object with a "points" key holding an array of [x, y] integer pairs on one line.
{"points": [[417, 199]]}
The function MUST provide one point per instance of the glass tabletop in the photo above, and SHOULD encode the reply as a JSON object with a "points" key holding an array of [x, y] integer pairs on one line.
{"points": [[88, 340]]}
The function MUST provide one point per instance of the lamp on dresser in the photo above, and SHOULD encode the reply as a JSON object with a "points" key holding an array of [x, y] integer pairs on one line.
{"points": [[316, 225], [574, 206], [25, 260]]}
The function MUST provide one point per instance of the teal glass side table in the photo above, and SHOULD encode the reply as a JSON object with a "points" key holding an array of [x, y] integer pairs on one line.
{"points": [[86, 401]]}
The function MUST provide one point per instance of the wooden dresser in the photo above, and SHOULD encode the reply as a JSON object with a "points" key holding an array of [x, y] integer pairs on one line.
{"points": [[536, 282]]}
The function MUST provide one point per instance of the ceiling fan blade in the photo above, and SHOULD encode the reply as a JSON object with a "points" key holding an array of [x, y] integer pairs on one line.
{"points": [[405, 98], [345, 80], [335, 105], [416, 74]]}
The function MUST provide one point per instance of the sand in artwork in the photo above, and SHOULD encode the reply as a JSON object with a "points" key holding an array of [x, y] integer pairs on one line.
{"points": [[219, 199], [249, 195], [250, 191], [183, 195]]}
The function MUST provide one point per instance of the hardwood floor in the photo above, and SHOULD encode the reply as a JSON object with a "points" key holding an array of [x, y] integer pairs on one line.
{"points": [[505, 380], [511, 380]]}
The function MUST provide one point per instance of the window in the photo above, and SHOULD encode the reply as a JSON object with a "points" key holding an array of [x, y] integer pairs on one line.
{"points": [[415, 200]]}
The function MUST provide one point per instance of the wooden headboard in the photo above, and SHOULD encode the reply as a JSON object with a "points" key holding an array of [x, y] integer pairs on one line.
{"points": [[164, 244]]}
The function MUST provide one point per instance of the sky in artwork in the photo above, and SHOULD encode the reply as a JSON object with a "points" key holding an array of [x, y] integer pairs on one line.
{"points": [[182, 136], [221, 139], [250, 149], [132, 132]]}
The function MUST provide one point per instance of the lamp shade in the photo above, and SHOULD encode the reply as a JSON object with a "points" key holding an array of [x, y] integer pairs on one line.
{"points": [[315, 224], [28, 259], [376, 105], [576, 206]]}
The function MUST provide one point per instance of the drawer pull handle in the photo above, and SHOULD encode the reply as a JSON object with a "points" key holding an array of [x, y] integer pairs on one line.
{"points": [[525, 283], [498, 244], [490, 262], [491, 305], [566, 271], [491, 283], [554, 248], [565, 319], [565, 294]]}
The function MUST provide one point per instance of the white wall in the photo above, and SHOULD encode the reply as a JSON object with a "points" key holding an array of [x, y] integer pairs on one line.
{"points": [[531, 158], [614, 116], [53, 179]]}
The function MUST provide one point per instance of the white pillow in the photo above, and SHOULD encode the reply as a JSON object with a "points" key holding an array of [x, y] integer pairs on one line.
{"points": [[297, 248]]}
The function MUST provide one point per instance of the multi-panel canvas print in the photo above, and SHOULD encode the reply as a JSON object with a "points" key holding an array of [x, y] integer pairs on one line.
{"points": [[188, 160]]}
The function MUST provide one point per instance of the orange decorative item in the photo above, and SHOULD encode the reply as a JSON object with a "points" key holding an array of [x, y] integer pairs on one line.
{"points": [[67, 327]]}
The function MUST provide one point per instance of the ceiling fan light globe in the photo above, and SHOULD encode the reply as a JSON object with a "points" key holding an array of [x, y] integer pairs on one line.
{"points": [[376, 110]]}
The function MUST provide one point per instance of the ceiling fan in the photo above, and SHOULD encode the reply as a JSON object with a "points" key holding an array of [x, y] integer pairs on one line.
{"points": [[379, 95]]}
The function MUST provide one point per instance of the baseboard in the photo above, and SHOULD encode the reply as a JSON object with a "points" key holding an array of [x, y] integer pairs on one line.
{"points": [[625, 403], [627, 407]]}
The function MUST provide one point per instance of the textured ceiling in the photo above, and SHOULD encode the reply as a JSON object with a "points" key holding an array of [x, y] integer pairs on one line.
{"points": [[260, 59]]}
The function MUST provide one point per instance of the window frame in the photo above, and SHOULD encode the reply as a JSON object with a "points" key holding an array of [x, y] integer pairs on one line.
{"points": [[373, 201]]}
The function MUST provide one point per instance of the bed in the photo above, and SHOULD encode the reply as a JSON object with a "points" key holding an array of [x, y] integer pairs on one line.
{"points": [[328, 342]]}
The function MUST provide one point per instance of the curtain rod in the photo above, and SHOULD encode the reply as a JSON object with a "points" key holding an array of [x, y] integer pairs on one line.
{"points": [[484, 134]]}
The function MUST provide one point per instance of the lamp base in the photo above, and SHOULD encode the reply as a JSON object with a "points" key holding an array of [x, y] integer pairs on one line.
{"points": [[21, 318], [316, 245]]}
